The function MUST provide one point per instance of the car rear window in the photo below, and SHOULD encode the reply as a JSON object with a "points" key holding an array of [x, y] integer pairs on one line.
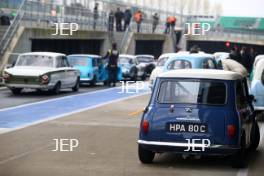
{"points": [[179, 64], [78, 60], [192, 92]]}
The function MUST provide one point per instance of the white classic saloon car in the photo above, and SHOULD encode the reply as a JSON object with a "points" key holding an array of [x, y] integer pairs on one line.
{"points": [[41, 71]]}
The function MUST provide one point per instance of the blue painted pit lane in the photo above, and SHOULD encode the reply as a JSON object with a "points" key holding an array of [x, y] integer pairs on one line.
{"points": [[31, 113]]}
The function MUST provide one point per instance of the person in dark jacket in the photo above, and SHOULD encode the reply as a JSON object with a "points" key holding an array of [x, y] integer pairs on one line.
{"points": [[127, 18], [112, 66], [111, 20], [245, 58], [118, 17], [155, 22]]}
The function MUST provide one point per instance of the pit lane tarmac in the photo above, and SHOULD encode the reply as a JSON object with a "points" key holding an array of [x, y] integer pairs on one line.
{"points": [[107, 138]]}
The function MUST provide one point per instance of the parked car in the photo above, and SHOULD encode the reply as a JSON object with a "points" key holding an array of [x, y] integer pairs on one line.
{"points": [[93, 68], [131, 68], [148, 62], [189, 106], [220, 55], [257, 83], [41, 71], [186, 60]]}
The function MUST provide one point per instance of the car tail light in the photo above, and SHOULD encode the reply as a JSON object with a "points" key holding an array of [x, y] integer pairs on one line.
{"points": [[145, 126], [231, 131], [6, 76], [45, 79]]}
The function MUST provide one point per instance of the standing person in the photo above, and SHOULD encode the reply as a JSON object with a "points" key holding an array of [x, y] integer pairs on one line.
{"points": [[95, 15], [252, 54], [167, 26], [111, 20], [172, 23], [118, 17], [138, 19], [127, 18], [155, 22], [245, 58], [112, 65]]}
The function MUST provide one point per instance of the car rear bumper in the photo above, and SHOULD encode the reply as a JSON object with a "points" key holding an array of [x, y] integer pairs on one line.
{"points": [[85, 80], [259, 108], [181, 148]]}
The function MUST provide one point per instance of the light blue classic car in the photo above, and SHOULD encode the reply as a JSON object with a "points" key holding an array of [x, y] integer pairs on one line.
{"points": [[185, 60], [92, 67]]}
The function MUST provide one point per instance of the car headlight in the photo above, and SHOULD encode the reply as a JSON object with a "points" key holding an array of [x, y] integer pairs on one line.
{"points": [[6, 76], [44, 79]]}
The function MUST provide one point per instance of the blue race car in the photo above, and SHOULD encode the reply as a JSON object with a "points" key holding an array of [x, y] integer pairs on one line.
{"points": [[197, 112], [185, 60], [93, 68], [194, 60]]}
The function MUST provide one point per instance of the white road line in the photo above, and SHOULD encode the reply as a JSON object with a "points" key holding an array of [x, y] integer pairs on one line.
{"points": [[244, 171], [73, 112]]}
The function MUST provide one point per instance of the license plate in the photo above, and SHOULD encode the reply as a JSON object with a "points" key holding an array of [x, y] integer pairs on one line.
{"points": [[174, 127]]}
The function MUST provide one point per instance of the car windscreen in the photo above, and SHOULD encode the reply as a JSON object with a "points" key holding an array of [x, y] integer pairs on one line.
{"points": [[192, 92], [144, 59], [124, 60], [35, 60], [162, 61], [78, 60], [179, 64]]}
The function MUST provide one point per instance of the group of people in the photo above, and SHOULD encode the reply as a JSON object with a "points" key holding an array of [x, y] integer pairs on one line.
{"points": [[121, 19], [118, 17]]}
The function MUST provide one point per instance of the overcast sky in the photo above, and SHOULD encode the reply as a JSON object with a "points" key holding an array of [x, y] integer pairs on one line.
{"points": [[253, 8]]}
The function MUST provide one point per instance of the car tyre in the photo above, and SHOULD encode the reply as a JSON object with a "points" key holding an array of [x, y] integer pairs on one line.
{"points": [[239, 159], [93, 82], [143, 77], [16, 91], [76, 86], [145, 156], [133, 74], [57, 88], [254, 137]]}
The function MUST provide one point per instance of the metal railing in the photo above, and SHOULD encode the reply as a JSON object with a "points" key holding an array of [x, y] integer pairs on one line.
{"points": [[7, 37]]}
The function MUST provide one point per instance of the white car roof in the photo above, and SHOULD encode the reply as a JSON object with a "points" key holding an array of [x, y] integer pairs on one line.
{"points": [[85, 55], [51, 54], [202, 74], [127, 55], [145, 55], [258, 57], [258, 69], [167, 55]]}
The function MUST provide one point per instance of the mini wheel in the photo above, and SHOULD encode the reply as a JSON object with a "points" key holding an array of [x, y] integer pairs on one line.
{"points": [[145, 156]]}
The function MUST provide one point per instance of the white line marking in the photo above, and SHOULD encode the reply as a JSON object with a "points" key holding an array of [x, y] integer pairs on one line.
{"points": [[244, 171], [70, 113]]}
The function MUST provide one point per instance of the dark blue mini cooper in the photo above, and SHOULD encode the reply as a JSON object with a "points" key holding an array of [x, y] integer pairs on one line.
{"points": [[199, 112]]}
